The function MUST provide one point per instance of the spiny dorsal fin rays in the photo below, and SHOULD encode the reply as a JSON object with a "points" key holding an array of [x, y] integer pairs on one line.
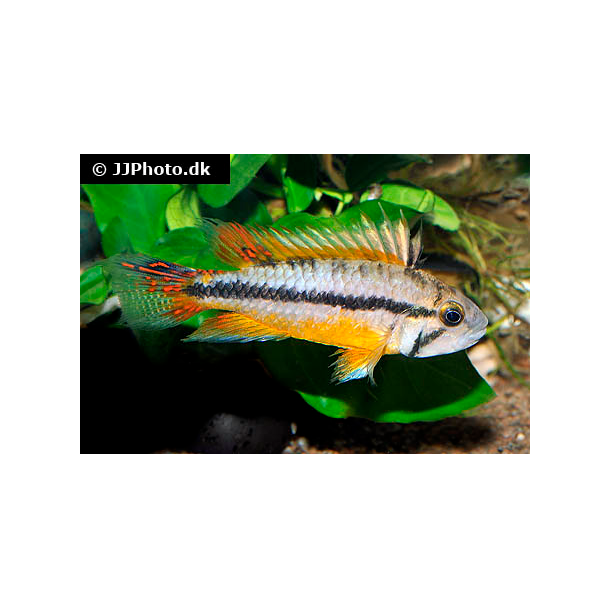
{"points": [[402, 238], [388, 241], [390, 230], [319, 241], [299, 238], [415, 245], [282, 240], [327, 238], [369, 230], [358, 237], [349, 246]]}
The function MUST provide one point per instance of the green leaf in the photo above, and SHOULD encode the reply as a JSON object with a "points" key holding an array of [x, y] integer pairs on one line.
{"points": [[243, 169], [298, 219], [187, 246], [421, 200], [183, 209], [438, 211], [444, 215], [115, 238], [372, 208], [363, 170], [93, 286], [408, 390], [141, 207]]}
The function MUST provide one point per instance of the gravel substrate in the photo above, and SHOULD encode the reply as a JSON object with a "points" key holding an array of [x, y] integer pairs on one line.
{"points": [[501, 426]]}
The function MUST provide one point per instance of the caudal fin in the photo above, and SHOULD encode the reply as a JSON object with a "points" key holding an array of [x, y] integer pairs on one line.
{"points": [[153, 293]]}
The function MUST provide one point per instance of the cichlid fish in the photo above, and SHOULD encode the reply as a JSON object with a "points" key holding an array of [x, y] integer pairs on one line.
{"points": [[355, 286]]}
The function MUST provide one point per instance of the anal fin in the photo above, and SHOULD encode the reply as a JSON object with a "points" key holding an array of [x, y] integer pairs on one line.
{"points": [[234, 327]]}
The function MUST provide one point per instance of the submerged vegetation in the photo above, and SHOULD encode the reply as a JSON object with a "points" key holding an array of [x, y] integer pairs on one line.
{"points": [[162, 221]]}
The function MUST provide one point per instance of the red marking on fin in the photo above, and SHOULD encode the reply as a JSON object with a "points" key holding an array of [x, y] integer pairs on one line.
{"points": [[152, 299]]}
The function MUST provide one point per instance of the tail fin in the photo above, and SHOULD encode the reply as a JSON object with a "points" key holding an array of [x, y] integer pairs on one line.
{"points": [[153, 293]]}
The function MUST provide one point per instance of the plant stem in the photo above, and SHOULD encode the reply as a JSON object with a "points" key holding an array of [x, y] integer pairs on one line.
{"points": [[507, 363]]}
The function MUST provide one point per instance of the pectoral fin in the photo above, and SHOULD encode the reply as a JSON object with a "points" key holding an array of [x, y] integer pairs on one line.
{"points": [[354, 363]]}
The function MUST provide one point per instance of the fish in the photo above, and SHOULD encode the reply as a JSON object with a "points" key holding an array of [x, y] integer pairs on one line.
{"points": [[353, 284]]}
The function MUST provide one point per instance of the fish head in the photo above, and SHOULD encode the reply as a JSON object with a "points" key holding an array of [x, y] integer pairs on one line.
{"points": [[457, 324]]}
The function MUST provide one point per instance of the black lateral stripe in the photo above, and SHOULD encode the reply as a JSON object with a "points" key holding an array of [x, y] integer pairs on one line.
{"points": [[240, 290]]}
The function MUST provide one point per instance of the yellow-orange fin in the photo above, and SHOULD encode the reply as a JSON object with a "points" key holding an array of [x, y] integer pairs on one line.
{"points": [[234, 327], [354, 363], [241, 246]]}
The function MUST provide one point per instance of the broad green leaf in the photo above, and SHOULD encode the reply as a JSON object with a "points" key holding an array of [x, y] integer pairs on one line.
{"points": [[443, 215], [372, 208], [363, 170], [183, 209], [408, 389], [438, 211], [93, 286], [141, 207], [298, 197], [187, 246], [243, 169], [298, 219], [420, 200], [115, 238]]}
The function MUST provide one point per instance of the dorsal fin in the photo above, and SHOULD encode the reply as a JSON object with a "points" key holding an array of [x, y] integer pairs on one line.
{"points": [[241, 245]]}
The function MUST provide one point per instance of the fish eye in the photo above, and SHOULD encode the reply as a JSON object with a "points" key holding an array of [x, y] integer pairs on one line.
{"points": [[451, 313]]}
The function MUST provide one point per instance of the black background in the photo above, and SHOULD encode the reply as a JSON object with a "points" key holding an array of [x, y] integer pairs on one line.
{"points": [[220, 169]]}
